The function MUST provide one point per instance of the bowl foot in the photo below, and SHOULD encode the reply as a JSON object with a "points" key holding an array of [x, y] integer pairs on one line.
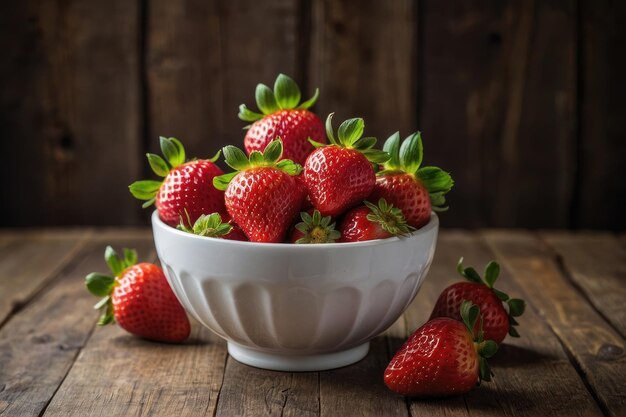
{"points": [[297, 363]]}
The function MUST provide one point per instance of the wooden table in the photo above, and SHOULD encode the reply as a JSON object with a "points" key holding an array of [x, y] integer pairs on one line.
{"points": [[570, 360]]}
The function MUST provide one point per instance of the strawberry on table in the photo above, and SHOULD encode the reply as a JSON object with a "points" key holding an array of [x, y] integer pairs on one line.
{"points": [[340, 175], [282, 116], [369, 222], [314, 229], [187, 186], [443, 357], [497, 321], [138, 298], [262, 196], [211, 225], [413, 189]]}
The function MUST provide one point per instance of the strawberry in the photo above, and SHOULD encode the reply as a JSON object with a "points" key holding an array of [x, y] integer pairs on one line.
{"points": [[282, 116], [371, 222], [186, 186], [262, 196], [414, 190], [443, 357], [497, 321], [314, 229], [340, 175], [211, 225], [139, 299]]}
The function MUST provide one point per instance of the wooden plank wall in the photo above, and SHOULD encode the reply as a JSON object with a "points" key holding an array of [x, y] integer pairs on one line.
{"points": [[523, 101]]}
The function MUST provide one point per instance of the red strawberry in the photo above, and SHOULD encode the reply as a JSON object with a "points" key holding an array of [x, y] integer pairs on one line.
{"points": [[497, 322], [314, 229], [340, 175], [283, 116], [404, 184], [262, 196], [139, 299], [442, 358], [187, 186], [211, 225], [371, 222]]}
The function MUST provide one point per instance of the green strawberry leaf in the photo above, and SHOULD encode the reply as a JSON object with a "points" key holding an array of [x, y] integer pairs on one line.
{"points": [[364, 143], [173, 151], [390, 218], [287, 92], [99, 284], [469, 313], [103, 301], [256, 158], [158, 165], [435, 179], [411, 153], [315, 143], [265, 99], [376, 156], [488, 348], [144, 190], [350, 131], [437, 201], [215, 157], [221, 182], [330, 130], [235, 158], [310, 102], [273, 151], [392, 147], [107, 317], [148, 203], [501, 295], [290, 167], [492, 270], [248, 115], [513, 332], [113, 261], [516, 307], [130, 257], [207, 225]]}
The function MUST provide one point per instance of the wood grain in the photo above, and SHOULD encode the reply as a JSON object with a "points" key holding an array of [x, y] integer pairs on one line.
{"points": [[498, 80], [70, 112], [363, 61], [596, 263], [533, 375], [28, 263], [39, 345], [597, 349], [204, 59]]}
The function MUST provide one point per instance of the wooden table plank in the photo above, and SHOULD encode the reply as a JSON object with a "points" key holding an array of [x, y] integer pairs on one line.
{"points": [[39, 345], [533, 375], [27, 263], [595, 346], [596, 263]]}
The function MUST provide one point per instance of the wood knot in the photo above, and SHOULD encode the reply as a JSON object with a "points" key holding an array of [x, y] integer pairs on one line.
{"points": [[608, 352]]}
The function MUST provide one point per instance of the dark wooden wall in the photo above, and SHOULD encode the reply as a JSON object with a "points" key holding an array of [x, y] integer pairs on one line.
{"points": [[524, 101]]}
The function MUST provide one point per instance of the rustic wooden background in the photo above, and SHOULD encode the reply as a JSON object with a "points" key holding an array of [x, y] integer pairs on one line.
{"points": [[524, 101]]}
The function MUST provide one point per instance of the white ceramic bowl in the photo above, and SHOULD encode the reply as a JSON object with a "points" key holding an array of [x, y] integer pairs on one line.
{"points": [[295, 307]]}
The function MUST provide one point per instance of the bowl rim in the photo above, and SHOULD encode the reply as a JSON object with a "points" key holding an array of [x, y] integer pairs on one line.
{"points": [[433, 223]]}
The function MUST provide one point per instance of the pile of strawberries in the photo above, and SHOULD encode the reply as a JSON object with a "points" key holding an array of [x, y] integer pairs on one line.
{"points": [[295, 167]]}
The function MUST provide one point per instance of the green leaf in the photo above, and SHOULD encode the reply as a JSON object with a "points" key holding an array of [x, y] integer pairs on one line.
{"points": [[290, 167], [130, 257], [273, 151], [329, 129], [221, 182], [471, 274], [492, 270], [392, 147], [310, 102], [365, 143], [411, 153], [469, 313], [437, 201], [256, 159], [516, 307], [485, 370], [103, 301], [113, 261], [235, 158], [488, 348], [350, 131], [99, 284], [173, 151], [215, 157], [265, 99], [513, 332], [376, 156], [501, 295], [316, 144], [148, 203], [435, 179], [248, 115], [107, 317], [158, 165], [144, 190], [287, 92]]}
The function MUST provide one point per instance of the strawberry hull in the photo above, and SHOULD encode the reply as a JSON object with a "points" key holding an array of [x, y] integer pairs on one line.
{"points": [[292, 307]]}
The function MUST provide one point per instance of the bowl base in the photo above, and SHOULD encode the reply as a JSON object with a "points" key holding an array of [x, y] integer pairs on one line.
{"points": [[297, 363]]}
